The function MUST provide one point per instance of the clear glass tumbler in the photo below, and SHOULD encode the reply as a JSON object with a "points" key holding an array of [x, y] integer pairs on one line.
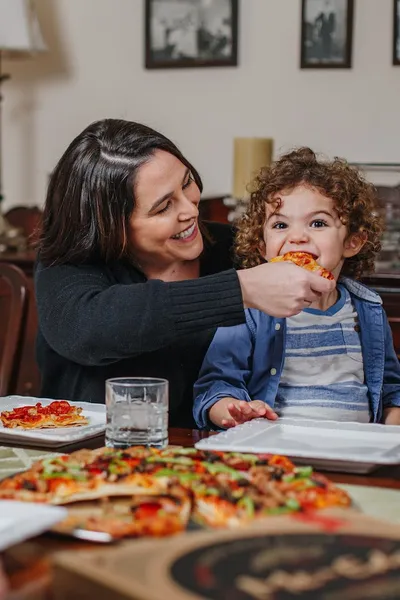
{"points": [[137, 412]]}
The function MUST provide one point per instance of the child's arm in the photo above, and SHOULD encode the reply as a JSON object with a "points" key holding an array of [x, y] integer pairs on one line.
{"points": [[225, 371], [391, 380], [391, 416], [228, 412]]}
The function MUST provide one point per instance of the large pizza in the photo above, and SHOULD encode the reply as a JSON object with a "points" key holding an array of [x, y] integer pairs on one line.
{"points": [[163, 489], [304, 260]]}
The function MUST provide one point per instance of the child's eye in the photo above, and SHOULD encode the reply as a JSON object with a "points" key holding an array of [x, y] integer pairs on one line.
{"points": [[166, 207], [318, 223], [279, 225], [188, 182]]}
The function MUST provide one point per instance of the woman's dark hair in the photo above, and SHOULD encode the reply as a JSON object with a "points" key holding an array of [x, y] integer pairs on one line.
{"points": [[91, 196]]}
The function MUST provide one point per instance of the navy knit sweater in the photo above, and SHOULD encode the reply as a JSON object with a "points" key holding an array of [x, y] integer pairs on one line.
{"points": [[98, 321]]}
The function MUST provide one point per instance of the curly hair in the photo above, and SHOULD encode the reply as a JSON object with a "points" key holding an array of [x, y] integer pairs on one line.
{"points": [[355, 202]]}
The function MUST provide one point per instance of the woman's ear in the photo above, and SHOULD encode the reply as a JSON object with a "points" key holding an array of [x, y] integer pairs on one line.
{"points": [[354, 243]]}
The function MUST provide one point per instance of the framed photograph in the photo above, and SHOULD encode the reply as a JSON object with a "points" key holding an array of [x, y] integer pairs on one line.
{"points": [[396, 32], [326, 34], [191, 33]]}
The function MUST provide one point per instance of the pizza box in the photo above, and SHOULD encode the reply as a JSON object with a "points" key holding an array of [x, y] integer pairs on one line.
{"points": [[52, 438], [328, 445], [329, 555]]}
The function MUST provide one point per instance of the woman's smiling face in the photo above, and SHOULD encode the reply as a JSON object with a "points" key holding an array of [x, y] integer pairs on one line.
{"points": [[164, 223]]}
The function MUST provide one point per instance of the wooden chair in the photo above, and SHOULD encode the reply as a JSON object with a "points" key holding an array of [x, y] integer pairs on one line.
{"points": [[14, 297], [27, 218]]}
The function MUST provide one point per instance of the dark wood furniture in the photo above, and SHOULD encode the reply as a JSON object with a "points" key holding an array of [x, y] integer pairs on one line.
{"points": [[28, 377], [14, 296], [28, 219], [28, 565], [388, 287]]}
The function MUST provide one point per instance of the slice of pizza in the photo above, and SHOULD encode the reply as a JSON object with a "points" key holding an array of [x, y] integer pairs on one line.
{"points": [[272, 485], [84, 475], [157, 516], [304, 260], [59, 413]]}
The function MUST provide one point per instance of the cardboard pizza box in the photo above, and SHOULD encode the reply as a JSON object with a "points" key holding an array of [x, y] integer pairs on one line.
{"points": [[331, 555]]}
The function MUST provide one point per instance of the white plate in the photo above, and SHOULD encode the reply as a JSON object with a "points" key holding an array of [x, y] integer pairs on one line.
{"points": [[329, 445], [52, 438], [22, 520]]}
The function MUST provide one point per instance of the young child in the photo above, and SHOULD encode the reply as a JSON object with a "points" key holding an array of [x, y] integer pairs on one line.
{"points": [[335, 359]]}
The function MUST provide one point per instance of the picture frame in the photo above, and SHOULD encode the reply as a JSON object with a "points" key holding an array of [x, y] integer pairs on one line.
{"points": [[191, 33], [396, 32], [326, 34]]}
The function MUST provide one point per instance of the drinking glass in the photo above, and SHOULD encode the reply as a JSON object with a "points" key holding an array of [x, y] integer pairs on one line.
{"points": [[137, 412]]}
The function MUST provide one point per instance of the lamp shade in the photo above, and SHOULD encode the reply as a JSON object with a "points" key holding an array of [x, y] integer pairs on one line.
{"points": [[19, 28], [250, 154]]}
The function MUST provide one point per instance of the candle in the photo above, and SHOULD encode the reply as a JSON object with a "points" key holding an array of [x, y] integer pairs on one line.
{"points": [[250, 154]]}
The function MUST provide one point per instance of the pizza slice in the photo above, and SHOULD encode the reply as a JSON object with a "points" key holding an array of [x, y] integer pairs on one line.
{"points": [[156, 516], [58, 413], [84, 475], [273, 485], [304, 260]]}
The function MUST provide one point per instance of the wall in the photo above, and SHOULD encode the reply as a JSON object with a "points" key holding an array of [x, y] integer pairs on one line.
{"points": [[94, 70]]}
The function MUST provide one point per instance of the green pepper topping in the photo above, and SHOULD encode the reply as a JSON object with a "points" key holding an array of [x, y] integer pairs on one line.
{"points": [[292, 503], [248, 504], [182, 460], [215, 468], [303, 472]]}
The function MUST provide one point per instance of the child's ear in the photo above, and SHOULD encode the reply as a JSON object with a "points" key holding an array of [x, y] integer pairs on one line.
{"points": [[262, 249], [354, 243]]}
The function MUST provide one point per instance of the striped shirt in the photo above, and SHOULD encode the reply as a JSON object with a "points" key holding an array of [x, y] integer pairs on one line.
{"points": [[323, 372]]}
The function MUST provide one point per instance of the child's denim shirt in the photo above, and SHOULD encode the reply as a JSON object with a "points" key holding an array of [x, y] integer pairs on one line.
{"points": [[246, 361]]}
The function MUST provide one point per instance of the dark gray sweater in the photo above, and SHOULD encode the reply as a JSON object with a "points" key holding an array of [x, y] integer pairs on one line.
{"points": [[97, 322]]}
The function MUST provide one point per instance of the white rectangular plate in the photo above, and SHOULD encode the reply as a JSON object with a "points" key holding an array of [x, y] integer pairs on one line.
{"points": [[52, 438], [22, 520], [330, 445]]}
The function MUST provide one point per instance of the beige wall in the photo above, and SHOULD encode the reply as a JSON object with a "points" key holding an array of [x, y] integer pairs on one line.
{"points": [[95, 70]]}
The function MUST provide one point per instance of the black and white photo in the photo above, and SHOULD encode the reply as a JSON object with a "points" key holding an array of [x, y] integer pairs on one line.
{"points": [[396, 32], [191, 33], [326, 34]]}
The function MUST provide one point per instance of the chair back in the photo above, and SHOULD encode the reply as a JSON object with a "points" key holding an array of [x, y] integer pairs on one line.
{"points": [[28, 219], [13, 313]]}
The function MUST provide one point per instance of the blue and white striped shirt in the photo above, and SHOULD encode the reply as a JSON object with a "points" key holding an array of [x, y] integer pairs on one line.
{"points": [[323, 372]]}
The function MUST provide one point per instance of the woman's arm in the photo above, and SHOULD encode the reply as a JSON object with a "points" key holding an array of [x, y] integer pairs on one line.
{"points": [[85, 318], [88, 320]]}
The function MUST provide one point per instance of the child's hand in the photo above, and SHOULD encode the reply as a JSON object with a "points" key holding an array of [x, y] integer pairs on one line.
{"points": [[229, 412], [391, 416]]}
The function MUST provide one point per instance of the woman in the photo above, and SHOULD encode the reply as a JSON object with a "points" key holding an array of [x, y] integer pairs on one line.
{"points": [[129, 282]]}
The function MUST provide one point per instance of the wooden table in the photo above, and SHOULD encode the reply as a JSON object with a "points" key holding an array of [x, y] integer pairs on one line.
{"points": [[28, 565]]}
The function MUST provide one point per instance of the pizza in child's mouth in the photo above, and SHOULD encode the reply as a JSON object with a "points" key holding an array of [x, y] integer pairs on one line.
{"points": [[306, 260]]}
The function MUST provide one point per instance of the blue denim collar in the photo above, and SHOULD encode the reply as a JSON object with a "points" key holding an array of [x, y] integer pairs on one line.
{"points": [[360, 290]]}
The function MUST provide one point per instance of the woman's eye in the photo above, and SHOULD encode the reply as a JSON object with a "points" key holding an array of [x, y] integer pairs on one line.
{"points": [[166, 207], [318, 223], [279, 225], [188, 182]]}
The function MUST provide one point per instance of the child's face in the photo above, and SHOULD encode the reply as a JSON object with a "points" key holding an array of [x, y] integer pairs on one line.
{"points": [[307, 221]]}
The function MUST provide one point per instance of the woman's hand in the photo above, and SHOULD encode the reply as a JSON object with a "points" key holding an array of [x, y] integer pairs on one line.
{"points": [[281, 289], [229, 412]]}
